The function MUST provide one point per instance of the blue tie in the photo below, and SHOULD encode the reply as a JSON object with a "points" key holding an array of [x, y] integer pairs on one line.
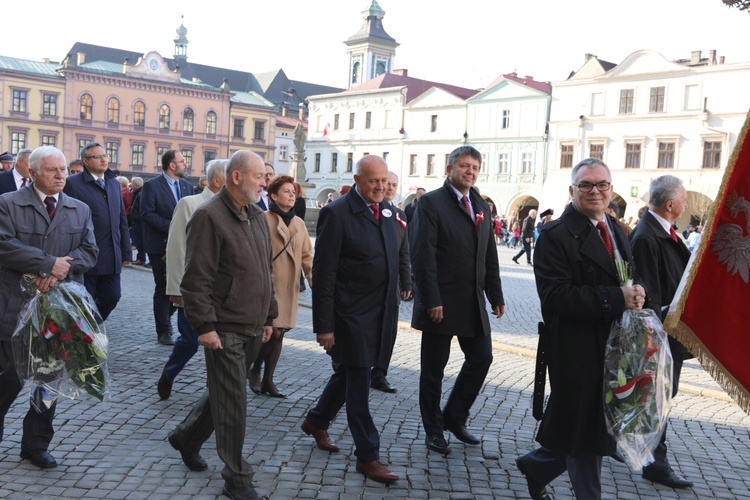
{"points": [[100, 182], [177, 191]]}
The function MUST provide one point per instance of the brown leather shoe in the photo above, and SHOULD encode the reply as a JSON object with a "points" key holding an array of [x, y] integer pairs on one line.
{"points": [[164, 386], [322, 438], [377, 471]]}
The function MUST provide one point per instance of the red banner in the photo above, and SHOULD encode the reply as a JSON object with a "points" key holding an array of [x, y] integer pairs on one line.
{"points": [[711, 310]]}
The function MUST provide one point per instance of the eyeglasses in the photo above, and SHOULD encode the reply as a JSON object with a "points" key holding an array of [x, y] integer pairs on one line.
{"points": [[587, 187], [95, 157]]}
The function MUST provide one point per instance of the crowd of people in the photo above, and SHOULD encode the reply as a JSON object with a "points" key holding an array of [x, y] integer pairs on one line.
{"points": [[230, 260]]}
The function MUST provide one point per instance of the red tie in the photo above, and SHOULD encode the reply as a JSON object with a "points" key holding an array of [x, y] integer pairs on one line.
{"points": [[23, 182], [673, 234], [49, 202], [375, 210], [602, 227], [465, 203]]}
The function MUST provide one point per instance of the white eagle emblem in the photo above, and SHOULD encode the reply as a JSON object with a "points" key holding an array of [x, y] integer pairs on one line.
{"points": [[730, 243]]}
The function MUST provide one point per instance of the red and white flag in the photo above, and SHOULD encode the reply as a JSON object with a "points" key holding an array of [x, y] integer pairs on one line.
{"points": [[327, 131], [710, 313]]}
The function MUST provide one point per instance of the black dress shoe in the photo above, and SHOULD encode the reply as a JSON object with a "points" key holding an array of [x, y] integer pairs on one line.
{"points": [[536, 491], [270, 389], [165, 339], [382, 384], [40, 458], [462, 434], [515, 259], [437, 443], [667, 477], [192, 459], [164, 386], [240, 492]]}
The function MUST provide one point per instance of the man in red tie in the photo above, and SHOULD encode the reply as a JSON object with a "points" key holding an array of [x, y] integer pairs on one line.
{"points": [[580, 296], [18, 176], [660, 258]]}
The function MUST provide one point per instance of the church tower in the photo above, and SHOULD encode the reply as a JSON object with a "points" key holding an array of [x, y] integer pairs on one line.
{"points": [[371, 50], [180, 44]]}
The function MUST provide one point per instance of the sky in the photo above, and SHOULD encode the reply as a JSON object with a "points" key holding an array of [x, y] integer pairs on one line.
{"points": [[467, 43]]}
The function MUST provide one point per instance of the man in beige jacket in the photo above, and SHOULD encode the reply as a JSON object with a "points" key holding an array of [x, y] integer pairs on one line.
{"points": [[187, 343]]}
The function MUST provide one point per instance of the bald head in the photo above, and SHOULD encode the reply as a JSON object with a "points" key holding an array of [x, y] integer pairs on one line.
{"points": [[371, 178]]}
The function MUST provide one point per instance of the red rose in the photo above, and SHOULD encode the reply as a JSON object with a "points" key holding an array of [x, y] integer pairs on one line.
{"points": [[67, 336], [88, 339], [66, 355], [52, 327]]}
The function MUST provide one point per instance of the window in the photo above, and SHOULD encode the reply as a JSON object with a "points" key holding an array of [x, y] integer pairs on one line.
{"points": [[385, 156], [368, 119], [188, 120], [503, 163], [260, 131], [336, 121], [433, 123], [387, 119], [87, 107], [211, 123], [317, 162], [17, 141], [136, 158], [349, 162], [139, 114], [113, 111], [283, 152], [656, 104], [527, 163], [19, 101], [49, 105], [692, 97], [597, 104], [113, 152], [334, 163], [48, 140], [160, 150], [379, 68], [633, 155], [82, 141], [505, 123], [351, 121], [413, 165], [430, 165], [187, 154], [596, 151], [666, 155], [711, 154], [239, 128], [164, 113], [208, 155], [626, 101], [355, 73], [566, 156]]}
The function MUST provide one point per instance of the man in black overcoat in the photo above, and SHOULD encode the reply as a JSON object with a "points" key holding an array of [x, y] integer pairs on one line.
{"points": [[661, 258], [454, 263], [580, 295], [355, 308]]}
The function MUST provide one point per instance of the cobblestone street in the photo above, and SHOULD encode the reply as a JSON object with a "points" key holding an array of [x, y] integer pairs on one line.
{"points": [[118, 449]]}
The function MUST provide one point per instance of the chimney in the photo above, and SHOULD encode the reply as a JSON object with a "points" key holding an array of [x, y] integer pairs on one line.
{"points": [[45, 59], [528, 78], [401, 72], [284, 110], [695, 57], [712, 57], [588, 57], [81, 58], [721, 59]]}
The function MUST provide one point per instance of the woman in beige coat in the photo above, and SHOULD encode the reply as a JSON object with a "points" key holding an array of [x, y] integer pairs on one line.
{"points": [[292, 251]]}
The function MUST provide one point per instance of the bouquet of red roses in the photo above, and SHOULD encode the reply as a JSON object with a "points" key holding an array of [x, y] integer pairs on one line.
{"points": [[59, 345]]}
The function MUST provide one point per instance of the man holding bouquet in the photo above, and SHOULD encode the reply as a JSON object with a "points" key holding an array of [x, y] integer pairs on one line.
{"points": [[49, 235]]}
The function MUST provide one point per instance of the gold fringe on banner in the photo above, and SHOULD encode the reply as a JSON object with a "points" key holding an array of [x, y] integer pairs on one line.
{"points": [[680, 330]]}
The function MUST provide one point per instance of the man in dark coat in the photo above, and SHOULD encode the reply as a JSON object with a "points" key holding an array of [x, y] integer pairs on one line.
{"points": [[580, 295], [355, 308], [661, 258], [158, 200], [411, 207], [527, 237], [98, 188], [17, 177], [378, 378], [454, 262]]}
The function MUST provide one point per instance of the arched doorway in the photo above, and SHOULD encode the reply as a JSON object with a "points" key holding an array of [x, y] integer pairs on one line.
{"points": [[322, 196], [621, 205], [520, 208], [697, 212], [492, 204]]}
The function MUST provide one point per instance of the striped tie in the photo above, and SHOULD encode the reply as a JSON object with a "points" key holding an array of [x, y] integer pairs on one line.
{"points": [[49, 201]]}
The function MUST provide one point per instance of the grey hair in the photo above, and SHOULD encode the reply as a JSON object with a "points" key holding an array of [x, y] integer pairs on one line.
{"points": [[122, 180], [664, 189], [136, 182], [42, 152], [588, 163], [240, 161], [88, 146], [23, 154], [464, 151], [216, 169]]}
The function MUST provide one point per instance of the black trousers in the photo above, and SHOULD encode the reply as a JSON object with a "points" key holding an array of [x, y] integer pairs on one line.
{"points": [[105, 289], [163, 308], [435, 353], [660, 453], [526, 249], [585, 470], [37, 427]]}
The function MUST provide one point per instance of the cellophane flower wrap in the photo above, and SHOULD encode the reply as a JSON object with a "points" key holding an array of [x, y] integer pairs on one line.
{"points": [[59, 346], [637, 381]]}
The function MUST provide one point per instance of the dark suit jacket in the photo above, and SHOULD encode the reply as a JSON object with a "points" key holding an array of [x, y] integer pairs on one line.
{"points": [[108, 215], [661, 262], [355, 271], [157, 205], [580, 296], [7, 182], [454, 262], [404, 260], [528, 227]]}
